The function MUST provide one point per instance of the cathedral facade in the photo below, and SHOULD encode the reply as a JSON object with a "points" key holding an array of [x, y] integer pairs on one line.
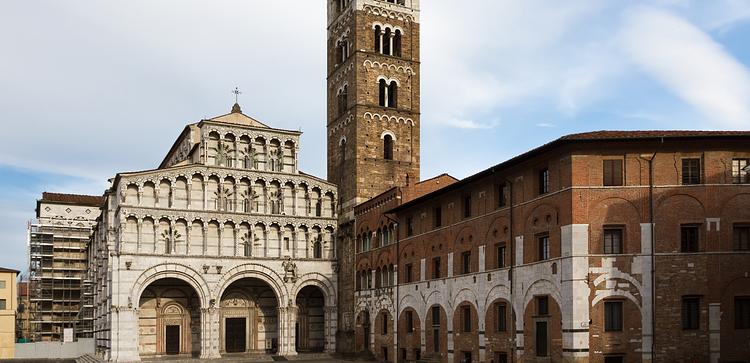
{"points": [[225, 248]]}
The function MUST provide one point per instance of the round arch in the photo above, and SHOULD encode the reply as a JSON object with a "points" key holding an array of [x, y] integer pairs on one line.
{"points": [[318, 280], [171, 270], [253, 270]]}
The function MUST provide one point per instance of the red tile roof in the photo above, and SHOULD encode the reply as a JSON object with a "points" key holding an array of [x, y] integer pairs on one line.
{"points": [[650, 134], [88, 200], [602, 135]]}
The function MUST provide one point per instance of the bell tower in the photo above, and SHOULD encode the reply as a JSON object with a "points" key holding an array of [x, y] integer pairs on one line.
{"points": [[373, 98]]}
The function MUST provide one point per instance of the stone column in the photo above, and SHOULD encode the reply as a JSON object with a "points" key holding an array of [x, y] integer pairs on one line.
{"points": [[124, 324], [156, 235], [574, 269], [205, 193], [188, 228], [221, 235], [139, 229], [330, 328], [205, 238], [140, 196], [189, 192], [283, 325], [171, 192], [236, 245], [265, 241], [172, 239], [156, 194], [294, 201], [210, 343]]}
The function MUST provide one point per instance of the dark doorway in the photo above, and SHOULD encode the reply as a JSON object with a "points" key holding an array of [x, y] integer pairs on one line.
{"points": [[366, 329], [436, 340], [235, 334], [173, 340], [541, 339]]}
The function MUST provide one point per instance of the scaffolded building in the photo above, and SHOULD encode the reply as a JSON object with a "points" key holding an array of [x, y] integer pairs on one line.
{"points": [[59, 291]]}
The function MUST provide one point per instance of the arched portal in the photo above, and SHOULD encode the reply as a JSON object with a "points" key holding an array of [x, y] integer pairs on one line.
{"points": [[310, 327], [249, 318], [169, 319]]}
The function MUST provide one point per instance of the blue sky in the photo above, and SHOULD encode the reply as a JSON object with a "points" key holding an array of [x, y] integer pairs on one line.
{"points": [[90, 88]]}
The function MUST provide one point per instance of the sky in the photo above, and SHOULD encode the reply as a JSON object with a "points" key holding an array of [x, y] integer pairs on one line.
{"points": [[91, 88]]}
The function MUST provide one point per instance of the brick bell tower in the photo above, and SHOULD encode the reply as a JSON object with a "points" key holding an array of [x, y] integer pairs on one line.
{"points": [[373, 117], [373, 97]]}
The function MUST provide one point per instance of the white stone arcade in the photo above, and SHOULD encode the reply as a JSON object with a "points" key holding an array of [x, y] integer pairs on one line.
{"points": [[225, 248]]}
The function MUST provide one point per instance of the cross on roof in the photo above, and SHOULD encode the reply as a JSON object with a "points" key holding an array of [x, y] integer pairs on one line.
{"points": [[237, 93]]}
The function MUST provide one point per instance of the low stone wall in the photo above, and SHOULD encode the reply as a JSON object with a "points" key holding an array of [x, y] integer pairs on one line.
{"points": [[54, 350]]}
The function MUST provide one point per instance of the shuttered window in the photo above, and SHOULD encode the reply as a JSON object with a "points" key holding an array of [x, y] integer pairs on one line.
{"points": [[612, 172]]}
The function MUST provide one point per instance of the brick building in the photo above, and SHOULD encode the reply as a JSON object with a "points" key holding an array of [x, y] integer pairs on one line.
{"points": [[600, 247]]}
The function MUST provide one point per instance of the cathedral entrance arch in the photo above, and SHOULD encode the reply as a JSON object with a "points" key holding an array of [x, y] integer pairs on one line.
{"points": [[169, 319], [310, 326], [249, 318]]}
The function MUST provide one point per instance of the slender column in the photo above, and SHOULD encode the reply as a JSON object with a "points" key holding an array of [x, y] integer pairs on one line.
{"points": [[139, 229], [221, 235], [156, 194], [294, 201], [236, 233], [171, 193], [236, 154], [187, 237], [205, 192], [390, 41], [380, 39], [189, 192], [294, 243], [156, 235], [140, 195], [265, 241], [205, 239], [385, 98], [172, 240]]}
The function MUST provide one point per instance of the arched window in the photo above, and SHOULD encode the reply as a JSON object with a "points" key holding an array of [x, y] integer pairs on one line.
{"points": [[392, 94], [387, 41], [342, 151], [378, 38], [388, 147], [387, 94], [382, 93], [397, 44], [343, 100], [317, 250]]}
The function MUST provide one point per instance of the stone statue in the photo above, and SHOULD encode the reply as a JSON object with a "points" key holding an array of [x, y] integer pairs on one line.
{"points": [[290, 270]]}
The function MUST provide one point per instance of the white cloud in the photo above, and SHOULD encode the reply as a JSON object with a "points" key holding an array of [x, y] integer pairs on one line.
{"points": [[690, 64], [470, 125], [546, 125]]}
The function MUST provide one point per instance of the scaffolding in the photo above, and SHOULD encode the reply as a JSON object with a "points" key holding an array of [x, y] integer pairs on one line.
{"points": [[57, 289]]}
